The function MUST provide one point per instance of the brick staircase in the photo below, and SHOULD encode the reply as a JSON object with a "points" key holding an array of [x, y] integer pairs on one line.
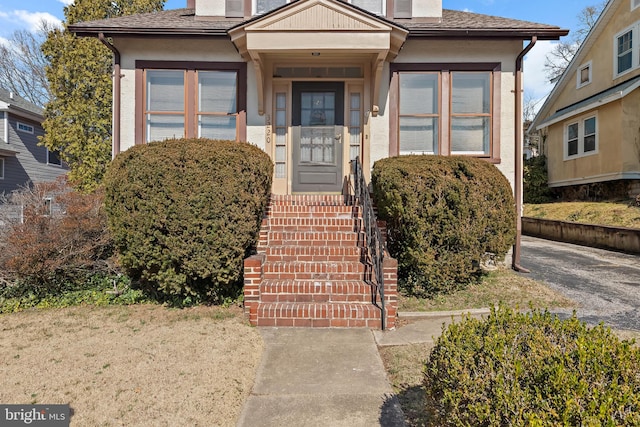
{"points": [[308, 271]]}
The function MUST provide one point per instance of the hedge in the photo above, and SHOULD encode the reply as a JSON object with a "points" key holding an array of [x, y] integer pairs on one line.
{"points": [[532, 369], [445, 217], [184, 213]]}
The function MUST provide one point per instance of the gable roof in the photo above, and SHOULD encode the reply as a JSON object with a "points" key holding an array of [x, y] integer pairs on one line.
{"points": [[10, 100], [587, 43], [184, 22]]}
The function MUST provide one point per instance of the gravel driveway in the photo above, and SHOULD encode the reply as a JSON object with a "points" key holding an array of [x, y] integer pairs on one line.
{"points": [[605, 284]]}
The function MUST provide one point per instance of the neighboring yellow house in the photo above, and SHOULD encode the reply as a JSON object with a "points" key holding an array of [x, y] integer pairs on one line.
{"points": [[591, 119]]}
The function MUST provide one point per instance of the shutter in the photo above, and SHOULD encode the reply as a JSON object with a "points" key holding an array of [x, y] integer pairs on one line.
{"points": [[402, 8], [234, 8]]}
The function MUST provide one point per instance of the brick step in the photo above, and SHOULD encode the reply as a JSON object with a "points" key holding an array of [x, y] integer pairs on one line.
{"points": [[311, 199], [334, 315], [313, 253], [312, 212], [331, 271], [311, 238], [274, 290], [313, 224]]}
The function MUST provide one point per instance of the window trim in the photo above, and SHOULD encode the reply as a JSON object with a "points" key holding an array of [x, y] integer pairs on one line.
{"points": [[190, 68], [30, 129], [50, 163], [445, 70], [1, 167], [580, 121], [635, 49], [579, 82]]}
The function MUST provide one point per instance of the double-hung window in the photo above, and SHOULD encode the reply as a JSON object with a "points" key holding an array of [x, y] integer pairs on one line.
{"points": [[470, 113], [419, 113], [191, 100], [581, 137], [626, 50], [446, 111]]}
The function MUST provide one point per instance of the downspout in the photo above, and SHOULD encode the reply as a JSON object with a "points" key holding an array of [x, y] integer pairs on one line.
{"points": [[117, 77], [515, 262]]}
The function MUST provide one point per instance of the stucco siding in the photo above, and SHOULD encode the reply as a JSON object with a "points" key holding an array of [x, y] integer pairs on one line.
{"points": [[631, 132]]}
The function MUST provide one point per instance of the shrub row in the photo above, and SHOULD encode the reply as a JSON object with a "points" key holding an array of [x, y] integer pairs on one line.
{"points": [[184, 214], [445, 216], [532, 370], [56, 239]]}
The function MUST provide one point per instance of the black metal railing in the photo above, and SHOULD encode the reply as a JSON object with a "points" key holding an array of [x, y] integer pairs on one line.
{"points": [[374, 246]]}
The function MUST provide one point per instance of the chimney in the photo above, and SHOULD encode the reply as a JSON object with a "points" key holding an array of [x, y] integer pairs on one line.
{"points": [[191, 4], [10, 95]]}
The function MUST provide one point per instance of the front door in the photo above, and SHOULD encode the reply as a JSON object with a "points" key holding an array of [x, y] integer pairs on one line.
{"points": [[317, 125]]}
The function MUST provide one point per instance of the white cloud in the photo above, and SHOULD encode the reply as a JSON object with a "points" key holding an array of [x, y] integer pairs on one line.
{"points": [[66, 2], [33, 19], [536, 83]]}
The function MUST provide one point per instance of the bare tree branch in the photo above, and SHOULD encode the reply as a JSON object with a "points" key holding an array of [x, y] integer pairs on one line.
{"points": [[22, 64]]}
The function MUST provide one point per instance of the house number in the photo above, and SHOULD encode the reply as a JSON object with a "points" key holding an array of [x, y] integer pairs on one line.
{"points": [[268, 128]]}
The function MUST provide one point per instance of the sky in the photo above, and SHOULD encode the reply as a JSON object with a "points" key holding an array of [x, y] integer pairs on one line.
{"points": [[26, 14]]}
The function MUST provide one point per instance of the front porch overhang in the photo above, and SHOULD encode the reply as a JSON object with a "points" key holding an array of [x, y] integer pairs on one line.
{"points": [[323, 28]]}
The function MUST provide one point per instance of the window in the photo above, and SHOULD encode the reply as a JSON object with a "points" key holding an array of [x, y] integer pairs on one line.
{"points": [[53, 158], [22, 127], [470, 113], [373, 6], [419, 113], [264, 6], [446, 112], [635, 4], [1, 168], [583, 76], [184, 100], [581, 137], [625, 52]]}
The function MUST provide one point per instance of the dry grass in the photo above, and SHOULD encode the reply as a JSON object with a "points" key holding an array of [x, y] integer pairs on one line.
{"points": [[502, 285], [622, 214], [131, 365]]}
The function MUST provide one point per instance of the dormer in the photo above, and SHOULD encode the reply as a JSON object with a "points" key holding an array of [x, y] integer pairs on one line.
{"points": [[429, 10]]}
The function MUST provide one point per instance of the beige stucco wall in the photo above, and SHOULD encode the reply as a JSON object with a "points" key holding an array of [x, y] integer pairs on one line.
{"points": [[631, 133], [453, 51], [600, 51], [378, 144], [137, 49], [603, 164]]}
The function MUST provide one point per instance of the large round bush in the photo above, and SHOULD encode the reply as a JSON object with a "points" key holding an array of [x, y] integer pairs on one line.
{"points": [[445, 216], [532, 369], [184, 213]]}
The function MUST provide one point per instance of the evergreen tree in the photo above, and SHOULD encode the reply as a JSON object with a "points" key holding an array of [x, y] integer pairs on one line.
{"points": [[78, 116]]}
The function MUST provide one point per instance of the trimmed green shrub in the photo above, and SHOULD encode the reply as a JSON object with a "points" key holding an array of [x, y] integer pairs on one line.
{"points": [[532, 370], [535, 186], [184, 214], [445, 216]]}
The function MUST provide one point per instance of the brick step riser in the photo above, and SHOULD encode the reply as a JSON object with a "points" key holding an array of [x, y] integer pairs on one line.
{"points": [[315, 298], [318, 315], [350, 228], [312, 258], [317, 286], [331, 236], [314, 276], [313, 267], [318, 250]]}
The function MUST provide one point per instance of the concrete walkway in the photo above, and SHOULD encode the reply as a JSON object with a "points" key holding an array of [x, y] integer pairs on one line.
{"points": [[330, 377]]}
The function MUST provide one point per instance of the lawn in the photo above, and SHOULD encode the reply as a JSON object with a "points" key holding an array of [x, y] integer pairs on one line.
{"points": [[135, 365], [617, 214]]}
